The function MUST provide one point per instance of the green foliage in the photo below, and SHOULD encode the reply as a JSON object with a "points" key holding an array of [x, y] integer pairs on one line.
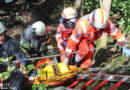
{"points": [[69, 3], [121, 7], [128, 29], [41, 87], [91, 5]]}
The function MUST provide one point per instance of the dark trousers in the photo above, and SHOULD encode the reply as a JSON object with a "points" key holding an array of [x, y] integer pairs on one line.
{"points": [[17, 80]]}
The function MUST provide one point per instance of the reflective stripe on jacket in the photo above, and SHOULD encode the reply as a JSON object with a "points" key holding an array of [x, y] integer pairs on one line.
{"points": [[63, 33], [5, 75], [29, 40]]}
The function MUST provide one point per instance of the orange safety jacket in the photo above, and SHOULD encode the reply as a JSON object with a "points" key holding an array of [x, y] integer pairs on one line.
{"points": [[62, 35], [85, 30]]}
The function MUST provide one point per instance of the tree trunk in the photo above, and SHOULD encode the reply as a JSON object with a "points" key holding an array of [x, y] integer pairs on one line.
{"points": [[82, 8], [79, 4], [106, 5]]}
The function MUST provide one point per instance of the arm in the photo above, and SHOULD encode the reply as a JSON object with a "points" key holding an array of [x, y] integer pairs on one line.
{"points": [[117, 35], [26, 38], [75, 38], [20, 54], [59, 37]]}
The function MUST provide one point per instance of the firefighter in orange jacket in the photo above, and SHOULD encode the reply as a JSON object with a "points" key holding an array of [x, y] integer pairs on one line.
{"points": [[89, 28], [65, 28]]}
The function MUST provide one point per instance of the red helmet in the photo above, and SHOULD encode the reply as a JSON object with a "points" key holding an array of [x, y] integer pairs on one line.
{"points": [[98, 18]]}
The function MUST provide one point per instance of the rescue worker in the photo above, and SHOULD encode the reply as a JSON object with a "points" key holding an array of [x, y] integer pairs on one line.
{"points": [[34, 37], [89, 28], [9, 50], [65, 28]]}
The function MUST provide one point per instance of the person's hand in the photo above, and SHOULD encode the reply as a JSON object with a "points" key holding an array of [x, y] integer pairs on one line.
{"points": [[32, 75], [126, 51]]}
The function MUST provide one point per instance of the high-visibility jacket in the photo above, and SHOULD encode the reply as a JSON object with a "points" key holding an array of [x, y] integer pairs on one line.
{"points": [[9, 50], [63, 34], [85, 30], [30, 42]]}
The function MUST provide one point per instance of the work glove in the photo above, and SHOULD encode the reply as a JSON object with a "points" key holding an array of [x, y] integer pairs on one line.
{"points": [[126, 51], [32, 75]]}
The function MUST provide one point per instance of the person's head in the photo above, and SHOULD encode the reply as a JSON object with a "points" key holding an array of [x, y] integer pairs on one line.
{"points": [[39, 28], [98, 18], [68, 14], [2, 34]]}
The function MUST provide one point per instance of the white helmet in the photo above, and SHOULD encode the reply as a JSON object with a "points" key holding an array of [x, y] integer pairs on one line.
{"points": [[98, 18], [39, 28], [69, 13], [2, 28]]}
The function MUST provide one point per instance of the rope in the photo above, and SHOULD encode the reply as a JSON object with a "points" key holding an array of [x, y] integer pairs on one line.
{"points": [[56, 55], [59, 54], [31, 59]]}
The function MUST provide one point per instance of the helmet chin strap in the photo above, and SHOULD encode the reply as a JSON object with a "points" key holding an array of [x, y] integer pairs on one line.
{"points": [[70, 25], [99, 28]]}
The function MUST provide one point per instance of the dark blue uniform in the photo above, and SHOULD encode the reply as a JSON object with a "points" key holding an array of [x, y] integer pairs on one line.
{"points": [[9, 50], [32, 43]]}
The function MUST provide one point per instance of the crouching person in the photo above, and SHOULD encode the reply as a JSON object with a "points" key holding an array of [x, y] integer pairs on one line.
{"points": [[9, 71], [34, 37]]}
